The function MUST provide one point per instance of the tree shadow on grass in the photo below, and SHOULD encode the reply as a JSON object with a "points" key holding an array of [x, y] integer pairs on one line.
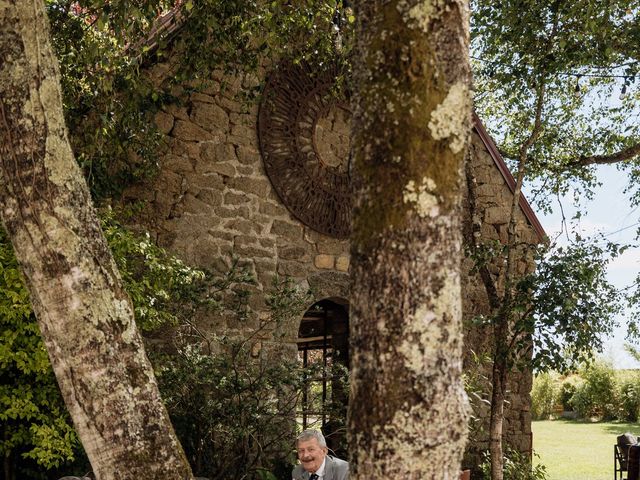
{"points": [[612, 427], [618, 428]]}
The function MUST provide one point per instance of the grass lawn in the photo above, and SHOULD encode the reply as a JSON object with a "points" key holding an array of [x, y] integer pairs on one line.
{"points": [[573, 450]]}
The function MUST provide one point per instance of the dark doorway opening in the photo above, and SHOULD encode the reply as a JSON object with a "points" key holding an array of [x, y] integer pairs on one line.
{"points": [[323, 349]]}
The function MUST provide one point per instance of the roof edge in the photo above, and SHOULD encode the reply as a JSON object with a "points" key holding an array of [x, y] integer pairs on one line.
{"points": [[166, 25], [508, 177]]}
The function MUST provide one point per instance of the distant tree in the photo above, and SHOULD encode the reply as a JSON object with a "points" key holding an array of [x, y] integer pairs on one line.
{"points": [[408, 410]]}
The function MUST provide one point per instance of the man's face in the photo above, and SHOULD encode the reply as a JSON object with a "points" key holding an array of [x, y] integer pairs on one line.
{"points": [[311, 454]]}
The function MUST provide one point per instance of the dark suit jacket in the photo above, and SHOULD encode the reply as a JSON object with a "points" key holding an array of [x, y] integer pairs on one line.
{"points": [[334, 469]]}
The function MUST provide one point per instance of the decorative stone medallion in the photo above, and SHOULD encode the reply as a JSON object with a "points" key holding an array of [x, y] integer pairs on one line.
{"points": [[304, 141]]}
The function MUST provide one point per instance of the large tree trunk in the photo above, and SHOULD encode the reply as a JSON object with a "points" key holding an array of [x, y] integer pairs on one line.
{"points": [[408, 409], [85, 316]]}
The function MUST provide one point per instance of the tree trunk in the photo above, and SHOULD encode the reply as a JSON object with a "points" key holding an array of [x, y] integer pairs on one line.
{"points": [[496, 419], [408, 409], [500, 334], [503, 352], [85, 317], [7, 466]]}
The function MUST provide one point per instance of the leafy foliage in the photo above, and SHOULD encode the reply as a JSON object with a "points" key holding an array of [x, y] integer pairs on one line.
{"points": [[105, 47], [35, 422], [565, 305], [629, 391], [574, 305], [572, 56], [596, 395], [552, 317], [477, 385], [594, 391], [517, 466], [230, 413], [544, 396], [231, 400], [164, 290], [107, 102], [567, 389]]}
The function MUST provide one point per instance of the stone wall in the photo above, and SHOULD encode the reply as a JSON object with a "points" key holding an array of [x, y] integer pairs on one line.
{"points": [[492, 211], [212, 199]]}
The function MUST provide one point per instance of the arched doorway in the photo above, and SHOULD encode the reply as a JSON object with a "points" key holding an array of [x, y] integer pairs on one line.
{"points": [[323, 349]]}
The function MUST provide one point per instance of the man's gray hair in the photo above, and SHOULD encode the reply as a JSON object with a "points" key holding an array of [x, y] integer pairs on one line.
{"points": [[310, 435]]}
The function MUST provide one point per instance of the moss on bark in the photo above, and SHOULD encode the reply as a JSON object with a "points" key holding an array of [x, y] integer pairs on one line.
{"points": [[412, 112], [85, 317]]}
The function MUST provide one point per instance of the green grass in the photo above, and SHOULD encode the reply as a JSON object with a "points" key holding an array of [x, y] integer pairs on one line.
{"points": [[573, 450]]}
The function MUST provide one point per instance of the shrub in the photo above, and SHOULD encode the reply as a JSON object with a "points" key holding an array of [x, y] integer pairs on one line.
{"points": [[233, 407], [231, 413], [567, 390], [544, 396], [517, 466], [596, 395], [630, 398]]}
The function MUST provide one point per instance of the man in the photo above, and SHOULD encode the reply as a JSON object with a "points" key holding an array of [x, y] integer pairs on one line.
{"points": [[315, 464]]}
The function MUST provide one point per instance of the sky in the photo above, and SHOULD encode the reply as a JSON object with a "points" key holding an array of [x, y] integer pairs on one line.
{"points": [[610, 213]]}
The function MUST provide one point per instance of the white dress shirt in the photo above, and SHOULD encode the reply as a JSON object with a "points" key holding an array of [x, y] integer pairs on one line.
{"points": [[320, 471]]}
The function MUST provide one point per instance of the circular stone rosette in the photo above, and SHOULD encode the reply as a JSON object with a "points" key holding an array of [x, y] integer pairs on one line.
{"points": [[303, 134]]}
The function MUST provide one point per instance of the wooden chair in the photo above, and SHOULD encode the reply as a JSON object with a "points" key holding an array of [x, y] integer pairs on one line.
{"points": [[620, 462], [621, 457], [633, 462]]}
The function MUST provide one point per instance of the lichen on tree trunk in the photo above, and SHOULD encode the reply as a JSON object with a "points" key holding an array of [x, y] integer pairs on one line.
{"points": [[408, 409], [85, 316]]}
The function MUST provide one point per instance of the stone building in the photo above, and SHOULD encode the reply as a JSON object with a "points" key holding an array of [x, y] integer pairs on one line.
{"points": [[266, 183]]}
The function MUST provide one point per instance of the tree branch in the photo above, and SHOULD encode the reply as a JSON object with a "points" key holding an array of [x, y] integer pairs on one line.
{"points": [[623, 155], [520, 174]]}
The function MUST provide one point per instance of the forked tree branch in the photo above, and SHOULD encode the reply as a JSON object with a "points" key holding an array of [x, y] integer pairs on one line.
{"points": [[626, 154]]}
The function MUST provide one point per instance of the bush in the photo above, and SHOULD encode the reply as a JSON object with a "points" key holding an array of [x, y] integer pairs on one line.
{"points": [[630, 398], [544, 396], [233, 414], [233, 401], [517, 466], [596, 395], [596, 391], [567, 390]]}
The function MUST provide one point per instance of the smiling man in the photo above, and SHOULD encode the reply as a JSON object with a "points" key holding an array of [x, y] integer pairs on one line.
{"points": [[315, 464]]}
